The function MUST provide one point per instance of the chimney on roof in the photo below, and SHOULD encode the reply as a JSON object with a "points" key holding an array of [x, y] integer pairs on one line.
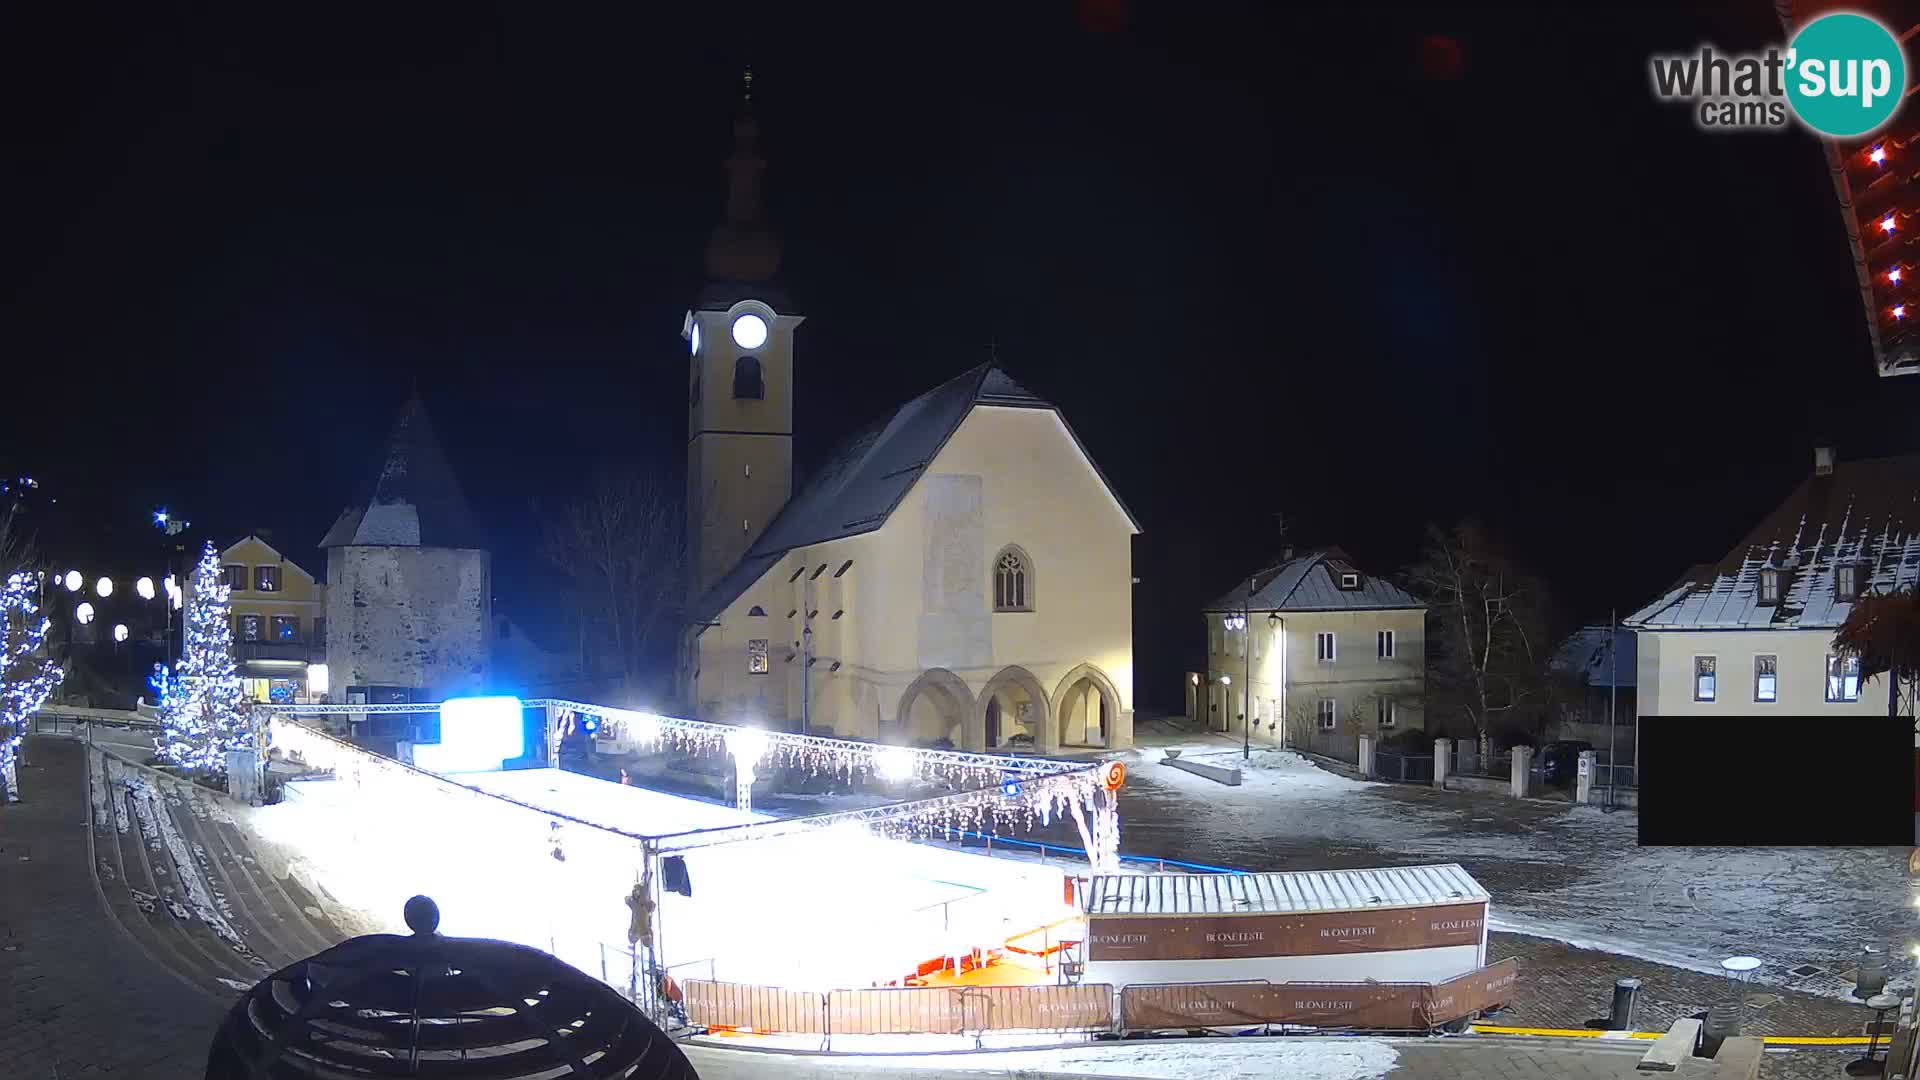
{"points": [[1286, 553], [1823, 461]]}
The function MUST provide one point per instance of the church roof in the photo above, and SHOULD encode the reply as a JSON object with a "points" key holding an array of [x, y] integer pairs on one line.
{"points": [[414, 501], [855, 491]]}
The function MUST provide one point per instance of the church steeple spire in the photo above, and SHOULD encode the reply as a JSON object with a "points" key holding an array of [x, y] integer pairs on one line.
{"points": [[743, 247]]}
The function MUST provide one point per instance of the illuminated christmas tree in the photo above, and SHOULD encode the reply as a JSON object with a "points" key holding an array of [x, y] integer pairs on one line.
{"points": [[27, 674], [206, 712]]}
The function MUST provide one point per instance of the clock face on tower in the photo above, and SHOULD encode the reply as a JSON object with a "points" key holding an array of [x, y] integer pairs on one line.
{"points": [[693, 340], [749, 331]]}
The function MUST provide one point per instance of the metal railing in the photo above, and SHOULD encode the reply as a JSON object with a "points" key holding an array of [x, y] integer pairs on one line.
{"points": [[1414, 768], [1468, 761], [1621, 775], [1337, 745]]}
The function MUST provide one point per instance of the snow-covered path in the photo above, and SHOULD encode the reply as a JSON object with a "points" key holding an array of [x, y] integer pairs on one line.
{"points": [[1560, 871]]}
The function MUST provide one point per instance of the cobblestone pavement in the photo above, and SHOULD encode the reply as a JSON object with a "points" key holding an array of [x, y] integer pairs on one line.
{"points": [[83, 1000], [1561, 986]]}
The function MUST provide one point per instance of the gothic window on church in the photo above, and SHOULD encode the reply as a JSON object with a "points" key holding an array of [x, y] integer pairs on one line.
{"points": [[1012, 581], [746, 378]]}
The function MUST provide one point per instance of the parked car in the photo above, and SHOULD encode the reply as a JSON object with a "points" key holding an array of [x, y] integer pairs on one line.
{"points": [[1560, 761]]}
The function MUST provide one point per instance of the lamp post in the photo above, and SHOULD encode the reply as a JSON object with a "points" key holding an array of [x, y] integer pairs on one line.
{"points": [[1246, 691], [1613, 698]]}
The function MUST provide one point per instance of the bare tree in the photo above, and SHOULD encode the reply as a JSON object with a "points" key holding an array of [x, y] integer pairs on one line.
{"points": [[1883, 632], [1487, 631], [623, 548]]}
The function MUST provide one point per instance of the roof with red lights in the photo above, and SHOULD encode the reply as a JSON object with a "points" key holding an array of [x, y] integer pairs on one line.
{"points": [[1875, 179]]}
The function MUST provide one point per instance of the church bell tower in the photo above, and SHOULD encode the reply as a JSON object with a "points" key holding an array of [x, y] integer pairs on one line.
{"points": [[739, 334]]}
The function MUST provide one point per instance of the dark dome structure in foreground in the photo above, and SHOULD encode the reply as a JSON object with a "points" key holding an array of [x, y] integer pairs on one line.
{"points": [[432, 1006]]}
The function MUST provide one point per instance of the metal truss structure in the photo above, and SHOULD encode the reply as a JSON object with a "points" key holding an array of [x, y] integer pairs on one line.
{"points": [[778, 740]]}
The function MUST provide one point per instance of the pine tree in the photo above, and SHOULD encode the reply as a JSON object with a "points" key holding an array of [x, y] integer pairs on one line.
{"points": [[27, 675], [206, 712]]}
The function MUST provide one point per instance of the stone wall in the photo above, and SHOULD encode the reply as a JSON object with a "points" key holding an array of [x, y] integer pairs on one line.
{"points": [[409, 617]]}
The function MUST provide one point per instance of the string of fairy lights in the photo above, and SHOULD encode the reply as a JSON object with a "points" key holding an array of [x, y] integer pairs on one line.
{"points": [[1877, 176], [986, 794]]}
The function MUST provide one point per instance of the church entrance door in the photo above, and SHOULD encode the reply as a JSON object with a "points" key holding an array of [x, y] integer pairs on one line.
{"points": [[993, 723]]}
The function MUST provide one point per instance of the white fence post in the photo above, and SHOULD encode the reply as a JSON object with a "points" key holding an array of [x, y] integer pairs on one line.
{"points": [[1522, 770], [1442, 757], [1583, 779], [1366, 757]]}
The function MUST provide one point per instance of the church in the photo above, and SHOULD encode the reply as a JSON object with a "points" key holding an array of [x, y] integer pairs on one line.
{"points": [[957, 573]]}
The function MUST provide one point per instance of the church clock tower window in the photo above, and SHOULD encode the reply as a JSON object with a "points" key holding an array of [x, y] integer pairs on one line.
{"points": [[747, 383]]}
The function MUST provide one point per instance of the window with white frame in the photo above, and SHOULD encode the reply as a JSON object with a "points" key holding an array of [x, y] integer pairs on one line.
{"points": [[1843, 678], [1329, 714], [1384, 712], [1383, 644], [1704, 683], [1769, 586], [1766, 678], [1846, 582], [1323, 646]]}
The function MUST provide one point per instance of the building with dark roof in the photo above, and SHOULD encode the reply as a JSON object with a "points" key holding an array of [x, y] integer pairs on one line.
{"points": [[1755, 629], [410, 580], [1317, 651], [959, 570]]}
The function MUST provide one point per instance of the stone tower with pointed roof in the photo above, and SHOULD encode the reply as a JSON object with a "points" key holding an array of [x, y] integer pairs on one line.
{"points": [[410, 581], [739, 333]]}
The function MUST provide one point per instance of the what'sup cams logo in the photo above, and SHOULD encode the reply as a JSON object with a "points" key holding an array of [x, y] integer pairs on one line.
{"points": [[1842, 75]]}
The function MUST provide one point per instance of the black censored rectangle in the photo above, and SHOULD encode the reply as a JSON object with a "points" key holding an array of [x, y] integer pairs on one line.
{"points": [[1776, 781]]}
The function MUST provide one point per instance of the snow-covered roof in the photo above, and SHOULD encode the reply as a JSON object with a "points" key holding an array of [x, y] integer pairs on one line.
{"points": [[1864, 515], [1585, 655], [1312, 583], [630, 809], [1248, 894]]}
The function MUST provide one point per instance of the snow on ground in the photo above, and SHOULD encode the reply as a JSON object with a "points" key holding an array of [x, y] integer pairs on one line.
{"points": [[1225, 1058], [1573, 873]]}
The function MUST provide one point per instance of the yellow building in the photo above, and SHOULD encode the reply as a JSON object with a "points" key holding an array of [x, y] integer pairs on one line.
{"points": [[279, 623], [1314, 649], [959, 571]]}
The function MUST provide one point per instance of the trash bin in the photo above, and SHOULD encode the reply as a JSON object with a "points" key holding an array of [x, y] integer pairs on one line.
{"points": [[1626, 996], [1871, 976]]}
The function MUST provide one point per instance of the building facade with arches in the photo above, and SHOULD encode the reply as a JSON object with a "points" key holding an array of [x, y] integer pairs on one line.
{"points": [[958, 573]]}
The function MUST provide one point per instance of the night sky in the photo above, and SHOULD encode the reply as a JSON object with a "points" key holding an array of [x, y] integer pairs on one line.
{"points": [[1314, 265]]}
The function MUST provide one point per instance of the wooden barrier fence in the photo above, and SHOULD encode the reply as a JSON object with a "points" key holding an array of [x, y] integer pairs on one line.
{"points": [[935, 1010], [956, 1010], [1376, 1006]]}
